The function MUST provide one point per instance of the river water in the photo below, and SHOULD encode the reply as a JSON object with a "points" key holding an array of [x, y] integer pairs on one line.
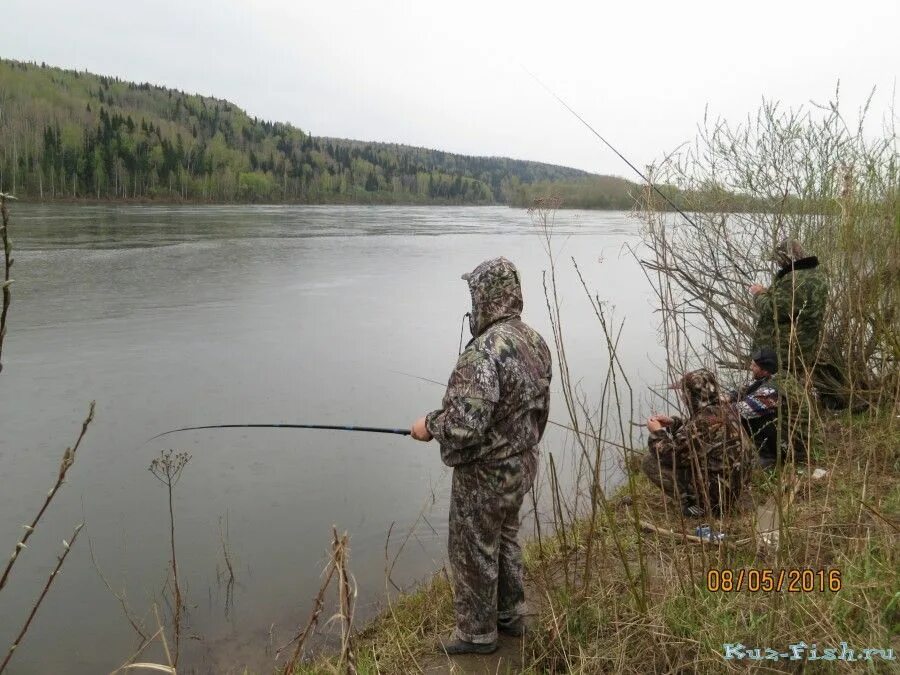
{"points": [[175, 316]]}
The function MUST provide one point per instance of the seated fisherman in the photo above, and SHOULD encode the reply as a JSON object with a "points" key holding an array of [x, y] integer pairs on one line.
{"points": [[703, 461], [757, 404]]}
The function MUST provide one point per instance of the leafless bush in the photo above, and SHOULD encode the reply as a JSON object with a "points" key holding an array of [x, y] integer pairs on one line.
{"points": [[805, 174], [596, 427]]}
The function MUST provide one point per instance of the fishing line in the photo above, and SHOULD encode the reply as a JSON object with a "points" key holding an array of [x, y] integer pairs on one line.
{"points": [[609, 145]]}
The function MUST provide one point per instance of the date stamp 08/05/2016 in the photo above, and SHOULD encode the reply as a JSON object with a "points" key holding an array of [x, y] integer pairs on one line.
{"points": [[792, 580], [800, 651]]}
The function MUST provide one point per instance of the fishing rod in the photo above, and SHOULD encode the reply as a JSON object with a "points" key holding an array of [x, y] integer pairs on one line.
{"points": [[406, 432], [610, 146], [333, 427]]}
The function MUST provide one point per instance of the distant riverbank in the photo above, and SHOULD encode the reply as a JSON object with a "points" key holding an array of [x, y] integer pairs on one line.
{"points": [[376, 199]]}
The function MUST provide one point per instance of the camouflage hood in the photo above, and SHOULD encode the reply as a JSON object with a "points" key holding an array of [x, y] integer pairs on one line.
{"points": [[496, 293], [699, 388], [787, 251]]}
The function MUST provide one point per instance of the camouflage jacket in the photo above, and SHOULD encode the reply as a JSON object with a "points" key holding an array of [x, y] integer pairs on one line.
{"points": [[795, 302], [712, 434], [498, 396]]}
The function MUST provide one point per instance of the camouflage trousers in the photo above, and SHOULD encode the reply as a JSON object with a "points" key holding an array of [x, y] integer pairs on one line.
{"points": [[674, 478], [678, 480], [483, 548]]}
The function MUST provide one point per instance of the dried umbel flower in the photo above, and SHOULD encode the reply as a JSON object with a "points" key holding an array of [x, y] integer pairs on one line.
{"points": [[168, 466]]}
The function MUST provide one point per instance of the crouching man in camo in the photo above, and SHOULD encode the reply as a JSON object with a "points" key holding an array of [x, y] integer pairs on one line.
{"points": [[701, 462], [492, 416]]}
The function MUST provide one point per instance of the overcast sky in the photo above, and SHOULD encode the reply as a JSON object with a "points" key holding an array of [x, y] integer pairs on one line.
{"points": [[450, 75]]}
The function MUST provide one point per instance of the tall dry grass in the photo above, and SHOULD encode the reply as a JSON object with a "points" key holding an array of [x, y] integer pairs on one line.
{"points": [[619, 582], [644, 604]]}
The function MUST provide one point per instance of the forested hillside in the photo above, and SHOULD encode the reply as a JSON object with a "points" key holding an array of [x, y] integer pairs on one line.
{"points": [[67, 134]]}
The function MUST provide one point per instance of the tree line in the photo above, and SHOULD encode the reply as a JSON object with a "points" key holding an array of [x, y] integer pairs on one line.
{"points": [[70, 134]]}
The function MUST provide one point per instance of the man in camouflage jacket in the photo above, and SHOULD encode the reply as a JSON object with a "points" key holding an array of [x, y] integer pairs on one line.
{"points": [[791, 312], [701, 462], [492, 416]]}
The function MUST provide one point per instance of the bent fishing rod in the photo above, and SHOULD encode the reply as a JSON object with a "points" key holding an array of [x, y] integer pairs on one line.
{"points": [[332, 427], [610, 146]]}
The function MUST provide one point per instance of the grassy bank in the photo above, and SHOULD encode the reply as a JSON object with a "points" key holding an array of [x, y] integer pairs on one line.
{"points": [[621, 615]]}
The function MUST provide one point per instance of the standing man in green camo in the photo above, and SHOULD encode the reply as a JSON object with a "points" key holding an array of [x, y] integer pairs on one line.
{"points": [[492, 416], [791, 312]]}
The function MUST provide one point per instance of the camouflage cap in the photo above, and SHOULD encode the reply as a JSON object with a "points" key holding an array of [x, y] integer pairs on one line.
{"points": [[787, 251], [700, 388]]}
